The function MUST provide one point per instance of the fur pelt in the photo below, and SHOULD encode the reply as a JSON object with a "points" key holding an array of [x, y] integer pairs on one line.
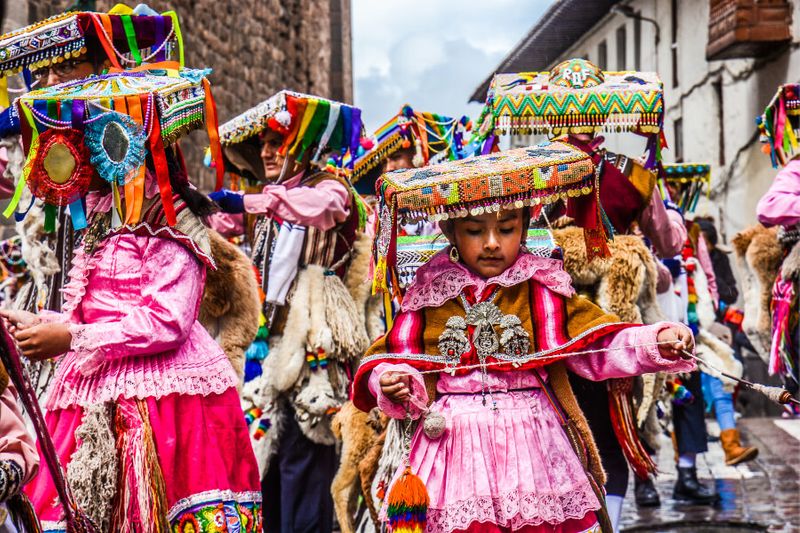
{"points": [[626, 282], [230, 307], [359, 285], [758, 257], [360, 433]]}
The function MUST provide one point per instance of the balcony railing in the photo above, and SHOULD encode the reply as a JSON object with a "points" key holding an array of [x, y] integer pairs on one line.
{"points": [[747, 28]]}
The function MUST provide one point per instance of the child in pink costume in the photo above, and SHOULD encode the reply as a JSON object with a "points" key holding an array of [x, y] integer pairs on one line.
{"points": [[504, 461]]}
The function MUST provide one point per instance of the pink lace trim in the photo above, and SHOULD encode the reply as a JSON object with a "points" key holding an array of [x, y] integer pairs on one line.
{"points": [[441, 280], [513, 510], [138, 377], [82, 266]]}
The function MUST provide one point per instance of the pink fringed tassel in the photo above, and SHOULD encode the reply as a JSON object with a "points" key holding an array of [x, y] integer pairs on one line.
{"points": [[782, 296]]}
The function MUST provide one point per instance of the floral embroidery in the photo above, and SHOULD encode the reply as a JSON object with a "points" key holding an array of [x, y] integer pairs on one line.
{"points": [[216, 512]]}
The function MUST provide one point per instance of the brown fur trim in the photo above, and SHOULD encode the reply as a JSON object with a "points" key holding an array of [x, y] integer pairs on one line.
{"points": [[230, 307]]}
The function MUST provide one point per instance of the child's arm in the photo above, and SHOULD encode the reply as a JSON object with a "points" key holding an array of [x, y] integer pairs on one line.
{"points": [[386, 387], [19, 460], [632, 352], [171, 287]]}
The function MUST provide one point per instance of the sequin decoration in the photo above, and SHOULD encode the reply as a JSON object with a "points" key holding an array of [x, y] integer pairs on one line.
{"points": [[59, 171], [117, 146]]}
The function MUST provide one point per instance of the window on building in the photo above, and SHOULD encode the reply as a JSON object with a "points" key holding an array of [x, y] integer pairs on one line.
{"points": [[637, 44], [717, 85], [674, 43], [602, 55], [622, 48], [677, 139]]}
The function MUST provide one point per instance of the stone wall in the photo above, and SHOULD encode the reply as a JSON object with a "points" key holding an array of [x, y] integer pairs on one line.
{"points": [[256, 48]]}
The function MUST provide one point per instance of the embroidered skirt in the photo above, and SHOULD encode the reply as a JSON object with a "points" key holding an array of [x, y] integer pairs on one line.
{"points": [[210, 476]]}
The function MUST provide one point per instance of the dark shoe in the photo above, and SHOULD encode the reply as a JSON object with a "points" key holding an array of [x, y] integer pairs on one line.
{"points": [[646, 493], [689, 490]]}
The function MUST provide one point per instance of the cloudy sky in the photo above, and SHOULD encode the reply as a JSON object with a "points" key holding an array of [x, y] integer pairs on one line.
{"points": [[431, 54]]}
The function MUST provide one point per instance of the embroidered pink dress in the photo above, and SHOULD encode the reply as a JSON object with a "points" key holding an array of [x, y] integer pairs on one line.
{"points": [[509, 469], [132, 310]]}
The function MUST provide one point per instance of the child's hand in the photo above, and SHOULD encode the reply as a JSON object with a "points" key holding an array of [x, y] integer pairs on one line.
{"points": [[44, 341], [19, 319], [396, 386], [681, 338]]}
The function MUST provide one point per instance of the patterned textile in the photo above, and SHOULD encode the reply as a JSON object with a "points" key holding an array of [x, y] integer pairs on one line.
{"points": [[414, 251], [179, 100], [68, 35], [217, 511], [526, 176], [436, 138], [527, 102], [780, 124], [10, 479]]}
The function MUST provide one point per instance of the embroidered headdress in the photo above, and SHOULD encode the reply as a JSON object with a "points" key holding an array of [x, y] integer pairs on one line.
{"points": [[125, 39], [306, 122], [109, 125], [575, 97], [691, 179], [435, 138], [780, 124], [532, 177]]}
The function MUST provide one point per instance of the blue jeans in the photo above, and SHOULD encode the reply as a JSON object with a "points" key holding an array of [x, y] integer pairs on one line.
{"points": [[721, 401]]}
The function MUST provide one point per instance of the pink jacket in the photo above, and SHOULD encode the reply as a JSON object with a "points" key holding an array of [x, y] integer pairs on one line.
{"points": [[781, 205], [708, 267], [323, 206], [664, 227], [132, 308], [16, 444]]}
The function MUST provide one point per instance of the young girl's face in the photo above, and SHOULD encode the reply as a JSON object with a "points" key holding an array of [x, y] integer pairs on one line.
{"points": [[488, 244]]}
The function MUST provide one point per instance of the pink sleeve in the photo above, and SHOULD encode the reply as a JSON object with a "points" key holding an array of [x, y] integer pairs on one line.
{"points": [[418, 391], [781, 205], [708, 268], [172, 283], [226, 224], [322, 207], [666, 232], [16, 444], [630, 352]]}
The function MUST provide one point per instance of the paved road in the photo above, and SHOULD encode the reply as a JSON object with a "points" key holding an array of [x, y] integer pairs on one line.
{"points": [[763, 495]]}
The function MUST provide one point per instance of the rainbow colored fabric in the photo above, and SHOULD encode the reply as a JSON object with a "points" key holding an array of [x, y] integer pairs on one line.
{"points": [[306, 121], [440, 138], [106, 123], [780, 124], [530, 176]]}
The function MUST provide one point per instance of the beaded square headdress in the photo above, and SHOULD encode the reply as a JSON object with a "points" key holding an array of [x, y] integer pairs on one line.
{"points": [[531, 177], [780, 124], [108, 125], [692, 179], [575, 97], [435, 138], [306, 122], [125, 39]]}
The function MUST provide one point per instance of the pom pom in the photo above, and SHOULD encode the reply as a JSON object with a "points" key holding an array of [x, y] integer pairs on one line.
{"points": [[284, 118], [252, 370], [367, 143], [208, 161], [406, 144], [407, 111], [407, 504], [434, 424], [680, 394]]}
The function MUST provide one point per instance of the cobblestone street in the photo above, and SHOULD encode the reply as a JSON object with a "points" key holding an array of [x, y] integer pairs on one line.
{"points": [[762, 495]]}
